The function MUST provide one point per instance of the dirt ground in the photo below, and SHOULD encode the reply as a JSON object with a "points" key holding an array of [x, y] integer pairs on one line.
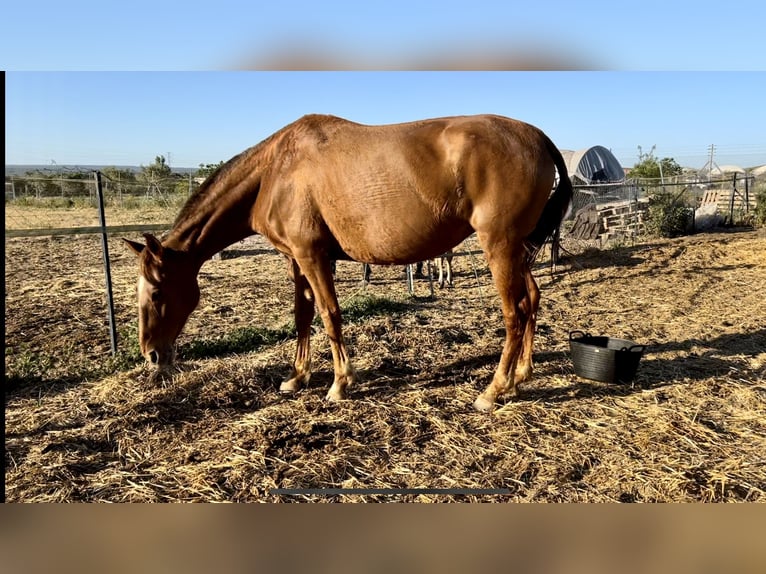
{"points": [[81, 425]]}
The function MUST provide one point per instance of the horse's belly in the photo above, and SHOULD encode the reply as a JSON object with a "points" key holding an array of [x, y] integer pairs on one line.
{"points": [[399, 237]]}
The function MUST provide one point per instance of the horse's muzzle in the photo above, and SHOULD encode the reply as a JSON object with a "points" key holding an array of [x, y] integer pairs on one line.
{"points": [[159, 358]]}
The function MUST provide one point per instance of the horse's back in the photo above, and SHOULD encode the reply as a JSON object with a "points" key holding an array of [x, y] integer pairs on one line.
{"points": [[406, 192]]}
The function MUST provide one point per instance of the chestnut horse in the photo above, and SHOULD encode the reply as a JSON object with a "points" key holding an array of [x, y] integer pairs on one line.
{"points": [[324, 188]]}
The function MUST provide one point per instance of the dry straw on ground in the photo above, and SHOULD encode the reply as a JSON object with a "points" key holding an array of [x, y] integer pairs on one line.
{"points": [[691, 426]]}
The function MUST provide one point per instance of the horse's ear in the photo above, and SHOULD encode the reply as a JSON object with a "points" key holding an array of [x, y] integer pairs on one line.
{"points": [[134, 246], [154, 245]]}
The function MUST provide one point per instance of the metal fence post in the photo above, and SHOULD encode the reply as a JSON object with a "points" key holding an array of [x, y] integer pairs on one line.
{"points": [[410, 279], [430, 278], [107, 267]]}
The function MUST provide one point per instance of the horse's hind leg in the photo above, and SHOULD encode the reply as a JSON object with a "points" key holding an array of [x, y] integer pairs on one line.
{"points": [[317, 273], [529, 306], [506, 265], [304, 315]]}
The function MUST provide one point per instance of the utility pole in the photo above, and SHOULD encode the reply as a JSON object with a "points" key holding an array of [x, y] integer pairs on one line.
{"points": [[710, 162]]}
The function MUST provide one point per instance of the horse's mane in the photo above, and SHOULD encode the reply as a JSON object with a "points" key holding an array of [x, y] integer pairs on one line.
{"points": [[221, 173], [225, 171]]}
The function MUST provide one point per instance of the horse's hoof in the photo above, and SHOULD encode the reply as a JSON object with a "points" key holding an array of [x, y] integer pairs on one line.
{"points": [[335, 396], [289, 387], [483, 405]]}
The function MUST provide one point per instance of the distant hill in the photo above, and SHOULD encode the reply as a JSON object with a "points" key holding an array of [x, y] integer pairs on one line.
{"points": [[19, 170]]}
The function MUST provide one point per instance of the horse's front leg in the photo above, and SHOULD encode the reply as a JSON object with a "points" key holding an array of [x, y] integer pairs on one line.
{"points": [[317, 272], [304, 315]]}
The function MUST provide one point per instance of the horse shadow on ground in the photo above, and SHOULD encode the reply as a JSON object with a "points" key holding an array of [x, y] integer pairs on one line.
{"points": [[34, 386], [198, 397], [181, 401], [239, 341], [654, 371], [189, 402], [595, 258]]}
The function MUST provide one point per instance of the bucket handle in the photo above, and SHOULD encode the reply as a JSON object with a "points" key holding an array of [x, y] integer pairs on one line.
{"points": [[633, 348], [583, 334]]}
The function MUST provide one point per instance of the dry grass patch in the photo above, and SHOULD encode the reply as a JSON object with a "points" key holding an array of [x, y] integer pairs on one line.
{"points": [[82, 427]]}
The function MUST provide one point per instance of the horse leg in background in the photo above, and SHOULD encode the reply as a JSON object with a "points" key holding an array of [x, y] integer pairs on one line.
{"points": [[445, 261], [304, 315], [366, 273], [505, 264], [528, 308], [319, 276]]}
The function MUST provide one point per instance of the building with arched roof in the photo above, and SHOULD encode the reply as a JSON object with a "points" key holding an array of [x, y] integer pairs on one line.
{"points": [[595, 164]]}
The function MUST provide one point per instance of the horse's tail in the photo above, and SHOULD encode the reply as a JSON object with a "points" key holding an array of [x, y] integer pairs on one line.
{"points": [[555, 209]]}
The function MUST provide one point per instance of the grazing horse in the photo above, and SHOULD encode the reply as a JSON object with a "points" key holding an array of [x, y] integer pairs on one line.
{"points": [[324, 188]]}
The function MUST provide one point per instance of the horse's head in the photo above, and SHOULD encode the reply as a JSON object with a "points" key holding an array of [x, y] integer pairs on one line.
{"points": [[167, 294]]}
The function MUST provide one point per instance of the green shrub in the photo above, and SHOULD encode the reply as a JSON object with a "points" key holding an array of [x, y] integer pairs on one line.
{"points": [[760, 205], [130, 202], [668, 216]]}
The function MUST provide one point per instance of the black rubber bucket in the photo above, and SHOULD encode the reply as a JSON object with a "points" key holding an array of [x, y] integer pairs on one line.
{"points": [[604, 359]]}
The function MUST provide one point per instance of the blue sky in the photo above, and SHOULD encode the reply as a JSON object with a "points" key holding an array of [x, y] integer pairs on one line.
{"points": [[194, 35], [127, 118], [709, 92]]}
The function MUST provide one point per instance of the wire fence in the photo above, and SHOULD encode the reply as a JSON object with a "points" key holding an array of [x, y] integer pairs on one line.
{"points": [[62, 204], [621, 212], [52, 206]]}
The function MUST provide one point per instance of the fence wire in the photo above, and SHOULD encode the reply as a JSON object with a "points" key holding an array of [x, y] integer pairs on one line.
{"points": [[64, 204], [603, 214], [34, 205]]}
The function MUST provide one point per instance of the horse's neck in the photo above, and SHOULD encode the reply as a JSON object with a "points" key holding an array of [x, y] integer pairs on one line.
{"points": [[217, 219]]}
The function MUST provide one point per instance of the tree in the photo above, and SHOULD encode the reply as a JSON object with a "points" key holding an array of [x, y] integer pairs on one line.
{"points": [[156, 176], [116, 174], [158, 170], [205, 169], [649, 167]]}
